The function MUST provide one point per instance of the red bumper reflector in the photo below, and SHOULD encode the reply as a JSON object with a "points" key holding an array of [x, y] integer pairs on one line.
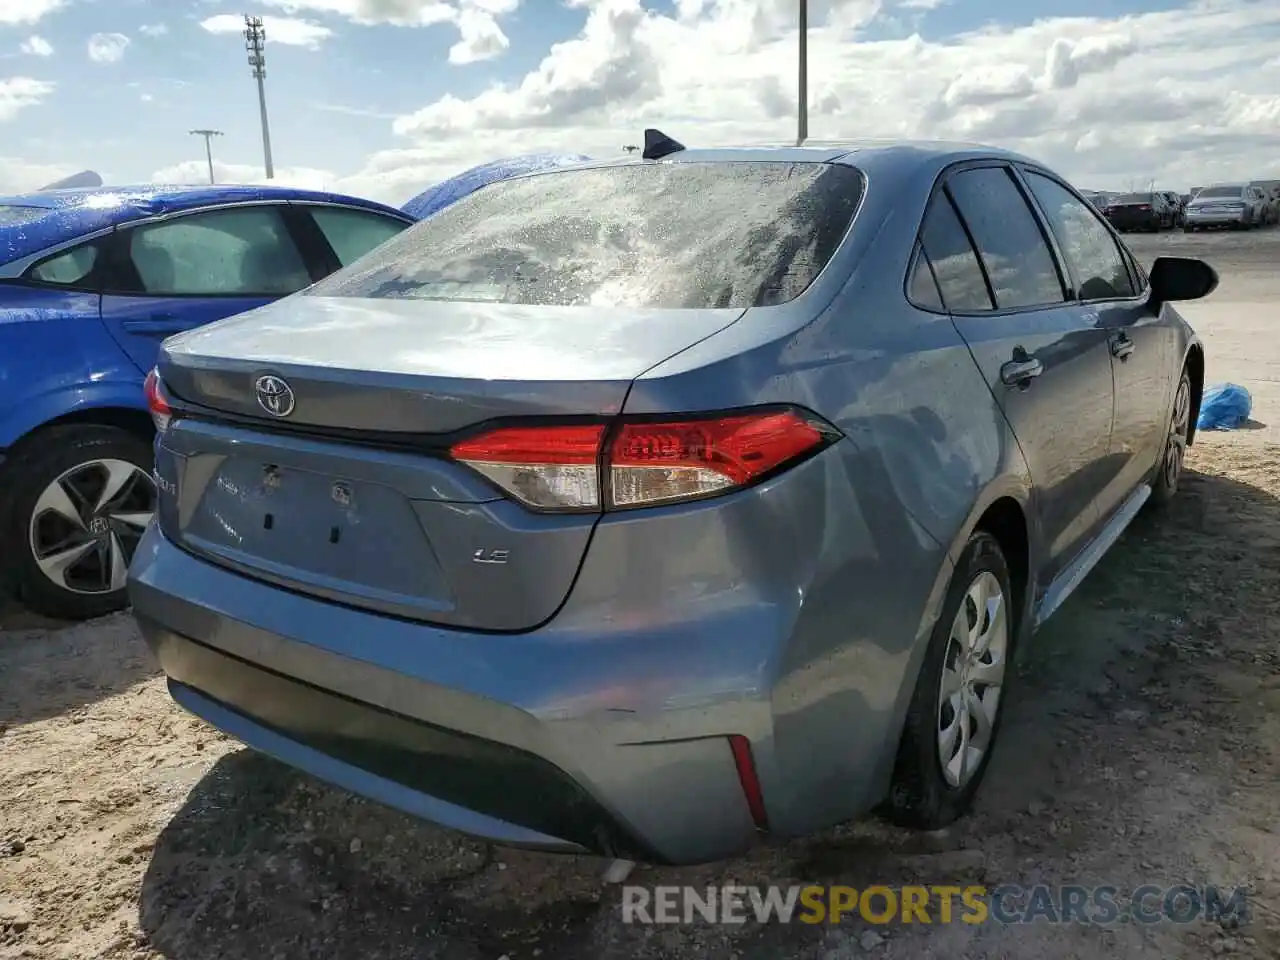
{"points": [[746, 765]]}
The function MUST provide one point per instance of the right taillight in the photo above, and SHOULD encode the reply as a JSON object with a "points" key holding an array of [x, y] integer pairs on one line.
{"points": [[157, 402], [588, 467]]}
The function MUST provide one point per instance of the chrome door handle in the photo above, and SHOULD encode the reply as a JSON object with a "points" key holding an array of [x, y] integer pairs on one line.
{"points": [[1020, 371], [1121, 347]]}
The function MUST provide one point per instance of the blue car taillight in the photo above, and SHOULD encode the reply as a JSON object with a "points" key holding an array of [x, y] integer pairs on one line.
{"points": [[157, 402]]}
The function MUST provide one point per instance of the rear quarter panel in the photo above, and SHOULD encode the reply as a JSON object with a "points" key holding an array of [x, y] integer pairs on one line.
{"points": [[926, 451], [56, 358]]}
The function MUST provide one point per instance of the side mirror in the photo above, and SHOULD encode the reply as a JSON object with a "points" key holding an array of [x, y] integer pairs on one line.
{"points": [[1181, 278]]}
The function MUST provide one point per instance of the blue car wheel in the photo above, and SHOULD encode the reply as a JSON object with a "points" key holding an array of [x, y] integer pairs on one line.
{"points": [[78, 499]]}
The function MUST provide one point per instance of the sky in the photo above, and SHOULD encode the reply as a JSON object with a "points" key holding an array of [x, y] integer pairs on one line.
{"points": [[383, 98]]}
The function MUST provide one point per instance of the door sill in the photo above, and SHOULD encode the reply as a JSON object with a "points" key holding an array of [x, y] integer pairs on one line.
{"points": [[1065, 583]]}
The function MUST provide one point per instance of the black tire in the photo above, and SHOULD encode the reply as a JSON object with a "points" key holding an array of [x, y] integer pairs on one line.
{"points": [[921, 797], [1166, 473], [32, 468]]}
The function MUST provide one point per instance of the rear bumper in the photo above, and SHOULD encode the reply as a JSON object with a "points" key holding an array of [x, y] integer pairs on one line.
{"points": [[608, 728], [490, 735], [1216, 219], [419, 767], [1135, 222]]}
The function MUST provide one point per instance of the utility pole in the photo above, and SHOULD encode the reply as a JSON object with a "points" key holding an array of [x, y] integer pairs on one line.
{"points": [[802, 118], [208, 150], [255, 41]]}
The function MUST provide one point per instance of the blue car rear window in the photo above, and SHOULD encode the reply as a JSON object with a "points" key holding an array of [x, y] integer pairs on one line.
{"points": [[12, 215], [689, 234]]}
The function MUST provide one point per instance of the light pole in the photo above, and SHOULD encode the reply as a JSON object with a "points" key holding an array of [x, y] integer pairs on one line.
{"points": [[255, 41], [802, 118], [208, 150]]}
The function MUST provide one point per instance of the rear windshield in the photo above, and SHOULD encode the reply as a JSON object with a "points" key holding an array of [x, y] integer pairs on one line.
{"points": [[1235, 192], [1134, 198], [13, 216], [686, 235]]}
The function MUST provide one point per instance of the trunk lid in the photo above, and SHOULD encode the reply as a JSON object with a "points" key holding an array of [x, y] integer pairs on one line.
{"points": [[345, 496]]}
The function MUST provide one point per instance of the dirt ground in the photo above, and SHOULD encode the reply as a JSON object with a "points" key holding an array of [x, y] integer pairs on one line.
{"points": [[1142, 746]]}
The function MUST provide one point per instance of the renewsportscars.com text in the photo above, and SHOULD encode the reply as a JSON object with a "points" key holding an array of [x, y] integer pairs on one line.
{"points": [[937, 904]]}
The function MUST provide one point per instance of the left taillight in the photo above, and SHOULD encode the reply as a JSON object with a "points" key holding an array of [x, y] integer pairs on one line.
{"points": [[589, 467], [157, 402]]}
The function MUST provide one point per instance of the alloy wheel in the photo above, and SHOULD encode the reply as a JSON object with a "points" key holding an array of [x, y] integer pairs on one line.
{"points": [[87, 523], [973, 671], [1179, 427]]}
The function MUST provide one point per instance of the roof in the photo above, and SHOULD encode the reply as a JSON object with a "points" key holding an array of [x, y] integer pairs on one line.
{"points": [[446, 192], [76, 212]]}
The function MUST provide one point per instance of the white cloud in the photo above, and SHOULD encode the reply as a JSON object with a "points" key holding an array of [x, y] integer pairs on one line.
{"points": [[153, 29], [287, 30], [197, 171], [400, 13], [480, 36], [18, 93], [37, 46], [107, 47], [1179, 95], [19, 176], [27, 11]]}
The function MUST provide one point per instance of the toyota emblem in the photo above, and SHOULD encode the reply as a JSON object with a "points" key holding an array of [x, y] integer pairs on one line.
{"points": [[274, 395]]}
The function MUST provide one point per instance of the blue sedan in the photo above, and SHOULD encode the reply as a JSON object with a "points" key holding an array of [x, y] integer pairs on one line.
{"points": [[91, 281]]}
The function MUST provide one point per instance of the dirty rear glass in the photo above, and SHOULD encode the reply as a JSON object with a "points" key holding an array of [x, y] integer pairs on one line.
{"points": [[12, 215], [1222, 192], [685, 235]]}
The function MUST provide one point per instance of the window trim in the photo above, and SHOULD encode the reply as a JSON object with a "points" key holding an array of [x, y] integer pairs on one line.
{"points": [[94, 283], [122, 263], [14, 270], [918, 254], [1050, 245], [1138, 279], [390, 212], [940, 187], [308, 223], [826, 284]]}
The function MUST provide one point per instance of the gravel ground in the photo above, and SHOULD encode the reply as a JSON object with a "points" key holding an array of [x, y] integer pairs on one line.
{"points": [[1141, 747]]}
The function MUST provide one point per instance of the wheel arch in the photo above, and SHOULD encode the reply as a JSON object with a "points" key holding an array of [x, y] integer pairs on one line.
{"points": [[1005, 512], [116, 404], [1194, 365]]}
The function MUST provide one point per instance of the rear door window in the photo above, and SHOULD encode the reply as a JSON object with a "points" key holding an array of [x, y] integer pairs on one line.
{"points": [[244, 251], [1014, 252], [353, 233], [954, 262], [70, 268], [1086, 243], [678, 235], [15, 215]]}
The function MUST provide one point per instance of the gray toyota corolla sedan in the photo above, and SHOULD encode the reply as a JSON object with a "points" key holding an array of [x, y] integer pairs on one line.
{"points": [[647, 506]]}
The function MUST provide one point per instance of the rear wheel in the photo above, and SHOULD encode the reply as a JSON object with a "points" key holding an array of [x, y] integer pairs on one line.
{"points": [[955, 711], [79, 498]]}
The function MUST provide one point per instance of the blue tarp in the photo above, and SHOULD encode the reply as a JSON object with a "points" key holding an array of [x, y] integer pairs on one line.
{"points": [[1225, 407], [446, 192]]}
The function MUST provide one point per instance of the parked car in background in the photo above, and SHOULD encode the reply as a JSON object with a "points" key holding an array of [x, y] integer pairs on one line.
{"points": [[442, 194], [1174, 202], [580, 516], [1139, 211], [1270, 200], [1095, 199], [1232, 205], [91, 280]]}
